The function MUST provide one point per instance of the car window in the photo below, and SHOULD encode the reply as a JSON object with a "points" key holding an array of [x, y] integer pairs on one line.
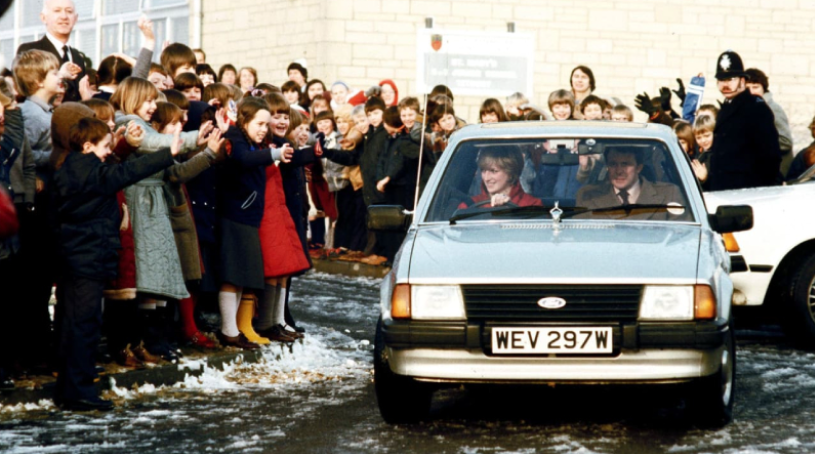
{"points": [[502, 179]]}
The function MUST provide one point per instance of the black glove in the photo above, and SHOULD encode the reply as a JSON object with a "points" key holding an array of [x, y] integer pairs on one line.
{"points": [[665, 98], [643, 102], [375, 90], [681, 92], [320, 137]]}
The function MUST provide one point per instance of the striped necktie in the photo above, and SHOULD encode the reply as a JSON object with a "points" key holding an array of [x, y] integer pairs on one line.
{"points": [[623, 196]]}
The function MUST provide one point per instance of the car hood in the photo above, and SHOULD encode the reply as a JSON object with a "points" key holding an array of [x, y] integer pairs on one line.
{"points": [[578, 252], [755, 195]]}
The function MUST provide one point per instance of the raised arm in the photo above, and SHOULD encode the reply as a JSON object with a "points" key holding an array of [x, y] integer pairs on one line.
{"points": [[154, 140], [245, 157], [345, 157], [114, 178], [142, 66], [191, 168]]}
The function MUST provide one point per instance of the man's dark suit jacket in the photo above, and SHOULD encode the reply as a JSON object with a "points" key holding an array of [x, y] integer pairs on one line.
{"points": [[71, 86]]}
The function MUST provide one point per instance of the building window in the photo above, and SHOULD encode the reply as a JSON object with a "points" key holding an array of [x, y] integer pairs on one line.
{"points": [[97, 36]]}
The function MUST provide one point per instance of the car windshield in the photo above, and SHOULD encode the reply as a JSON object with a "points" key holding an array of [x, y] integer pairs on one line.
{"points": [[503, 179]]}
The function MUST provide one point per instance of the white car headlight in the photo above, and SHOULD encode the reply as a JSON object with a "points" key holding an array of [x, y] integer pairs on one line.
{"points": [[669, 302], [436, 302]]}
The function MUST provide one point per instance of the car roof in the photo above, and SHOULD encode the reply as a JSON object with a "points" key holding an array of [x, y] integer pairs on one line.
{"points": [[597, 129]]}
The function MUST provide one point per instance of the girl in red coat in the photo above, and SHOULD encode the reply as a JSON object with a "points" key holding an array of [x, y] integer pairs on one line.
{"points": [[283, 253]]}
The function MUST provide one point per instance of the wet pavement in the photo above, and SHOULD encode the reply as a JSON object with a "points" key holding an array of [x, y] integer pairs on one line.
{"points": [[318, 398]]}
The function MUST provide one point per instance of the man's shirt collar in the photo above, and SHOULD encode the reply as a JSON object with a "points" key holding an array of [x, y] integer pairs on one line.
{"points": [[58, 45]]}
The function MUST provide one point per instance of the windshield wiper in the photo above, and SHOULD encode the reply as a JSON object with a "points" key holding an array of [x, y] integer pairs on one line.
{"points": [[631, 207], [804, 177], [501, 211]]}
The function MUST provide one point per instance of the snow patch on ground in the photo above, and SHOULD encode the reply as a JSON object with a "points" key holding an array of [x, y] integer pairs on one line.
{"points": [[43, 404], [39, 449], [186, 364]]}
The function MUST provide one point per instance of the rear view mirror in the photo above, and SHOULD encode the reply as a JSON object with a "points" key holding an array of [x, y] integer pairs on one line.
{"points": [[388, 218], [590, 146], [732, 218], [561, 158]]}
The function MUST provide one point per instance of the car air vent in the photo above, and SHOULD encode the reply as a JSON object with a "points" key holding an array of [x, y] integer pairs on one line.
{"points": [[550, 226], [583, 302]]}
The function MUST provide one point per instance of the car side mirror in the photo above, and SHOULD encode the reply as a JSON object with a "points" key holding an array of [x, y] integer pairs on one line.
{"points": [[388, 218], [732, 218]]}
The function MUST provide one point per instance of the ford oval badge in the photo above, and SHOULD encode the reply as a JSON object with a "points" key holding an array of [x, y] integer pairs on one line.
{"points": [[551, 302]]}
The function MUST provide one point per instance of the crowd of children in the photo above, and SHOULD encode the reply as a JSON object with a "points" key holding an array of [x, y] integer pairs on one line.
{"points": [[172, 189]]}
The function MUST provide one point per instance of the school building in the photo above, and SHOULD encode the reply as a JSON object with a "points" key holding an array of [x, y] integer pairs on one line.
{"points": [[632, 46]]}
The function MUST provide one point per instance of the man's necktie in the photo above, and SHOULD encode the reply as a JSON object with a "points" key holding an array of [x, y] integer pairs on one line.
{"points": [[623, 196], [65, 58]]}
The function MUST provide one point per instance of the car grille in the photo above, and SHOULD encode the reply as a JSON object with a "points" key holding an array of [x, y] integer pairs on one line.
{"points": [[583, 302]]}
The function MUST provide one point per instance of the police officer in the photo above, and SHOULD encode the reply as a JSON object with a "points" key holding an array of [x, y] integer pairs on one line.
{"points": [[745, 142]]}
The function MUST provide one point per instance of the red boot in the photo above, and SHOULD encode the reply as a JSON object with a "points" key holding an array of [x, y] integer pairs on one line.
{"points": [[186, 307]]}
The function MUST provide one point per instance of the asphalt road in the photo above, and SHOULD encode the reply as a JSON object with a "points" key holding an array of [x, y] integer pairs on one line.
{"points": [[318, 398]]}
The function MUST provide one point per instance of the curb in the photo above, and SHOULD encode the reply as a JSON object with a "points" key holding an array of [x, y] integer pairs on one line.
{"points": [[352, 269], [161, 375], [42, 387]]}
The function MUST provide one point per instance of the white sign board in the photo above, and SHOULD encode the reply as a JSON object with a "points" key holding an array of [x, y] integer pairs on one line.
{"points": [[475, 63]]}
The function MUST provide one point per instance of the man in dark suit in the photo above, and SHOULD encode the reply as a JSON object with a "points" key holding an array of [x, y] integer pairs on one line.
{"points": [[59, 17], [746, 151], [625, 186]]}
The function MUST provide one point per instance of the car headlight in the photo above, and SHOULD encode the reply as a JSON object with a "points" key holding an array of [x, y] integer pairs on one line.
{"points": [[436, 302], [669, 302]]}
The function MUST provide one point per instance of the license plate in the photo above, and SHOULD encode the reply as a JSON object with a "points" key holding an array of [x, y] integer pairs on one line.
{"points": [[562, 340]]}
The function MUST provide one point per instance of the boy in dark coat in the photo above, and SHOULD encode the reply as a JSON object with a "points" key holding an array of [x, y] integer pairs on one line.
{"points": [[87, 213], [396, 175], [398, 163]]}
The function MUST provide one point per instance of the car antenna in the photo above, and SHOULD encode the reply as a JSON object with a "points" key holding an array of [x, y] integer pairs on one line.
{"points": [[421, 154]]}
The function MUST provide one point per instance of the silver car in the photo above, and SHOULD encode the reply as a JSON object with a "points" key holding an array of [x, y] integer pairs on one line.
{"points": [[558, 252]]}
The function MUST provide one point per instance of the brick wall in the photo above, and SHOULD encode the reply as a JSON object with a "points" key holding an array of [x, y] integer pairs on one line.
{"points": [[631, 45]]}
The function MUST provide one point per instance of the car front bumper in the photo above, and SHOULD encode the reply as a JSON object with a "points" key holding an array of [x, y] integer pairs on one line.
{"points": [[473, 365], [643, 352]]}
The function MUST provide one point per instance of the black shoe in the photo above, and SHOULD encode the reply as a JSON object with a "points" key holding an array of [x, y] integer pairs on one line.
{"points": [[155, 340], [297, 328], [239, 341], [277, 333], [87, 405], [291, 331]]}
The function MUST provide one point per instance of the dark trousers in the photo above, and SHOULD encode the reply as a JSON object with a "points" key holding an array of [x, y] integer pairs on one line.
{"points": [[351, 231], [11, 284], [37, 259], [317, 231], [81, 318], [119, 324]]}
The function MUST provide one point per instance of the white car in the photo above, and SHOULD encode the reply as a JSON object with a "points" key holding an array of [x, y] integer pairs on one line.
{"points": [[774, 262]]}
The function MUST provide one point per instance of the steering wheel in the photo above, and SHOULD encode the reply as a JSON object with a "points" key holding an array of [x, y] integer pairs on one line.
{"points": [[485, 202]]}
